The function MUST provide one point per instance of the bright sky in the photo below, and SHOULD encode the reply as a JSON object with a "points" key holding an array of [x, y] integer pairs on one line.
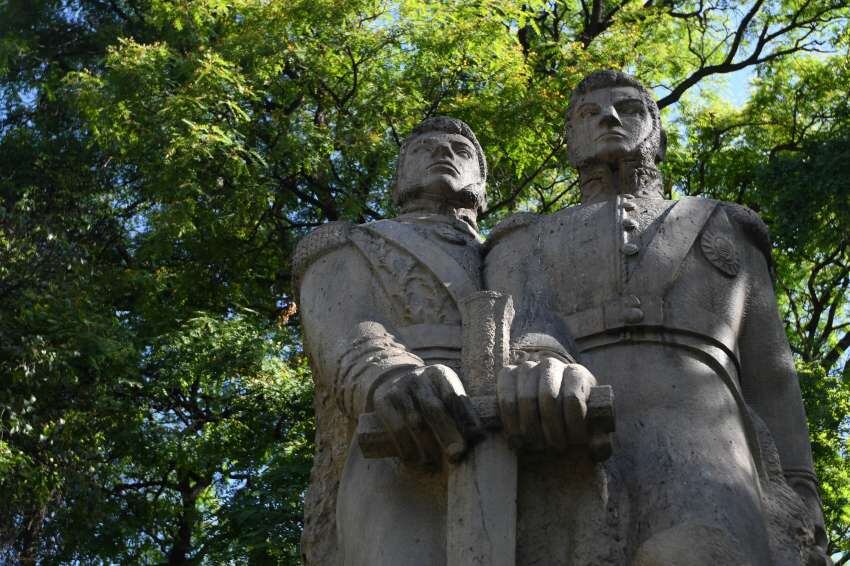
{"points": [[737, 88]]}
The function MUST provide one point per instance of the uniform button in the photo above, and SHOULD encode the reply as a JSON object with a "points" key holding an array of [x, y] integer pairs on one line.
{"points": [[628, 205], [633, 315], [630, 249], [629, 224]]}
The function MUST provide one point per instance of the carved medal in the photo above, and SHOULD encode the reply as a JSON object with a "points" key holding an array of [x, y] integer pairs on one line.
{"points": [[721, 252]]}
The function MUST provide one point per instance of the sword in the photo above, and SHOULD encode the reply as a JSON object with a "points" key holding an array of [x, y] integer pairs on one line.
{"points": [[482, 487]]}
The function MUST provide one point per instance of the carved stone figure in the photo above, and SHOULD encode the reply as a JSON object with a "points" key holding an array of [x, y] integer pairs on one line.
{"points": [[380, 310], [672, 304]]}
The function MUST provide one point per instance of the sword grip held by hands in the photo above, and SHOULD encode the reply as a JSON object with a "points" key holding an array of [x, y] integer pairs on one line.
{"points": [[376, 442]]}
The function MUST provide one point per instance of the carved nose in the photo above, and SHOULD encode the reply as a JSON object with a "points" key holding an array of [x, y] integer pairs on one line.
{"points": [[443, 150], [610, 117]]}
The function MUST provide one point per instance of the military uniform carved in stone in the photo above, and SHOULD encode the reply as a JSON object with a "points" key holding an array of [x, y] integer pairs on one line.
{"points": [[379, 307], [671, 303]]}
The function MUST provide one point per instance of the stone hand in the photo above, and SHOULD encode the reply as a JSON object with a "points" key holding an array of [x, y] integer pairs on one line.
{"points": [[808, 493], [544, 404], [427, 414]]}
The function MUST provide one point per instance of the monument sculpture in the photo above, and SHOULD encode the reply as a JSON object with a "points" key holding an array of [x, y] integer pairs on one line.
{"points": [[671, 303], [464, 391], [382, 323]]}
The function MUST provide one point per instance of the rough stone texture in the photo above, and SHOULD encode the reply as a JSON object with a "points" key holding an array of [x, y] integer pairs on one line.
{"points": [[481, 496], [380, 305], [668, 304]]}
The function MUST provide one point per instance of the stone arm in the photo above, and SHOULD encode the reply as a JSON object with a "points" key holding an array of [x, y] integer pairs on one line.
{"points": [[546, 400], [770, 384], [347, 330], [512, 266]]}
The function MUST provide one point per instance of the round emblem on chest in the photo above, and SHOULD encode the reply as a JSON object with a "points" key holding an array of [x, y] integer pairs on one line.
{"points": [[721, 252]]}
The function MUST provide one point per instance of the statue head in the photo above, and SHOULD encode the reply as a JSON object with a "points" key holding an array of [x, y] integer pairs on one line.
{"points": [[441, 160], [612, 118]]}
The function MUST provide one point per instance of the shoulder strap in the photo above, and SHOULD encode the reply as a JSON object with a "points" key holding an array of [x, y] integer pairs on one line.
{"points": [[508, 225], [662, 262]]}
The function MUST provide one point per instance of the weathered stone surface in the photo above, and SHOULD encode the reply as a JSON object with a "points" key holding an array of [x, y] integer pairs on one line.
{"points": [[670, 303], [491, 442], [382, 323]]}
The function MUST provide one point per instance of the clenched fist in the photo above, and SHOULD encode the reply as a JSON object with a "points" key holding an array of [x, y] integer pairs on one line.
{"points": [[544, 404], [428, 415]]}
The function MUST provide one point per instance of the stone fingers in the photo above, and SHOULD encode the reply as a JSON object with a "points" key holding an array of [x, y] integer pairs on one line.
{"points": [[392, 410], [427, 415], [450, 389], [551, 405], [530, 427], [432, 390], [575, 391], [544, 405]]}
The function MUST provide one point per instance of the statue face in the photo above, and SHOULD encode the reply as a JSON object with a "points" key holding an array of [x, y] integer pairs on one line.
{"points": [[609, 124], [440, 164]]}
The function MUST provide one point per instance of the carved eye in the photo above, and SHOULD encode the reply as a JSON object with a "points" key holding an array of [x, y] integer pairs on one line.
{"points": [[462, 149], [588, 110], [630, 107]]}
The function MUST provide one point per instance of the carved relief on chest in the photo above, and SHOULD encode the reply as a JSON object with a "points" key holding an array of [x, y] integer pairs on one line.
{"points": [[415, 294]]}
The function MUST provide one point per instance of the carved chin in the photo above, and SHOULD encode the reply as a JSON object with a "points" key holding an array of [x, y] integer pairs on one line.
{"points": [[462, 198], [613, 152]]}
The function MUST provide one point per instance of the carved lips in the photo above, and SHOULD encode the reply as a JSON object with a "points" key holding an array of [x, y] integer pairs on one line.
{"points": [[444, 167], [613, 135]]}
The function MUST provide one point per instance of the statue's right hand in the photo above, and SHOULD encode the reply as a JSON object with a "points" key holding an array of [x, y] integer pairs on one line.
{"points": [[544, 404], [428, 415]]}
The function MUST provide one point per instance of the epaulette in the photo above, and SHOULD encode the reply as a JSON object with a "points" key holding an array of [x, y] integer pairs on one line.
{"points": [[316, 244], [508, 225], [753, 227]]}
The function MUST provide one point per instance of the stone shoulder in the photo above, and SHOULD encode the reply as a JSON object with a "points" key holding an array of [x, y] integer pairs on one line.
{"points": [[751, 225], [510, 225], [318, 243], [745, 223]]}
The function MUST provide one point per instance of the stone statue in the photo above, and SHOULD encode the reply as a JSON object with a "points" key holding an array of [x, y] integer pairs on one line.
{"points": [[380, 310], [668, 303], [672, 304]]}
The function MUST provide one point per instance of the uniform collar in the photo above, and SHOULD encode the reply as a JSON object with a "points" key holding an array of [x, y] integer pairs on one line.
{"points": [[458, 224], [600, 182]]}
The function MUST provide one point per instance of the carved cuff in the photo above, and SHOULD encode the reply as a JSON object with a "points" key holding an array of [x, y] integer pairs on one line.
{"points": [[372, 358], [535, 346]]}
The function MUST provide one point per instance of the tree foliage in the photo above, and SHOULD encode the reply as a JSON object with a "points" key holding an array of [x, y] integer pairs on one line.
{"points": [[159, 160]]}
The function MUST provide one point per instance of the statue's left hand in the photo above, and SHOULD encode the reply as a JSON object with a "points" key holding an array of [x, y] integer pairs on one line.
{"points": [[813, 504], [543, 404]]}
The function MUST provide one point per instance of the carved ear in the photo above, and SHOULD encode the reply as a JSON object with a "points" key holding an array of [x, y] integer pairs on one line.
{"points": [[482, 203], [662, 148]]}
